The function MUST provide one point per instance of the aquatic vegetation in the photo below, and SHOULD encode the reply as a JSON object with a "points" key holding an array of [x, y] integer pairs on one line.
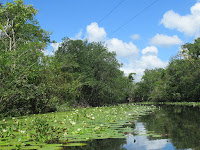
{"points": [[70, 128]]}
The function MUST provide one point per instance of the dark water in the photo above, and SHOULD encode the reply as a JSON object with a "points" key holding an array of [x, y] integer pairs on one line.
{"points": [[179, 127]]}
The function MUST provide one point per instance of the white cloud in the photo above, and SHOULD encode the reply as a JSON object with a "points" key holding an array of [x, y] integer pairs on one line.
{"points": [[95, 33], [135, 37], [48, 52], [149, 60], [152, 50], [55, 46], [51, 52], [188, 24], [121, 48], [78, 36], [165, 40]]}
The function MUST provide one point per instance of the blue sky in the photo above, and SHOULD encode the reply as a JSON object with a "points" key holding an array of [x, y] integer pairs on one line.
{"points": [[148, 41]]}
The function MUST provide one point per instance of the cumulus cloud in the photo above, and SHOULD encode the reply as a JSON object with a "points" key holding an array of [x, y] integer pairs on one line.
{"points": [[151, 50], [78, 36], [95, 33], [55, 46], [135, 37], [188, 24], [121, 48], [149, 60], [165, 40]]}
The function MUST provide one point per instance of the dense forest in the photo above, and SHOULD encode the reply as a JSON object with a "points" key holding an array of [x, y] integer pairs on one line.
{"points": [[80, 73]]}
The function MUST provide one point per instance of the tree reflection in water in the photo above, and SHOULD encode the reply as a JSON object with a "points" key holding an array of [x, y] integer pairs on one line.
{"points": [[106, 144], [179, 124]]}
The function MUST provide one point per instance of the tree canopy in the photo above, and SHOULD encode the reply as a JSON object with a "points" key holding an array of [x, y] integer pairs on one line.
{"points": [[180, 81]]}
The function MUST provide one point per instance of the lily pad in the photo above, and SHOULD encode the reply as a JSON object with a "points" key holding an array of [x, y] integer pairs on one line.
{"points": [[75, 144]]}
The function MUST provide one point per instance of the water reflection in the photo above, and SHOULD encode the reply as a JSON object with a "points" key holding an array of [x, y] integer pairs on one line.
{"points": [[180, 124], [141, 142], [107, 144], [178, 127]]}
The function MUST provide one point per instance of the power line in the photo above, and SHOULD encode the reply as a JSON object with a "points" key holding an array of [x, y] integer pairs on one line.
{"points": [[133, 17], [106, 15], [111, 11]]}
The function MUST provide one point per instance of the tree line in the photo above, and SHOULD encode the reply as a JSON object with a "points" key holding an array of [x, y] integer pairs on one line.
{"points": [[179, 81], [79, 74]]}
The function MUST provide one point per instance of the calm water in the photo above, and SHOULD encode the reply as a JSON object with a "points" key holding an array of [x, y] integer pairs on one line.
{"points": [[179, 127]]}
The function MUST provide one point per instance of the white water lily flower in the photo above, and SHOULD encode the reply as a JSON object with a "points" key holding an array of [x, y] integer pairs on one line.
{"points": [[72, 122], [65, 134], [22, 131]]}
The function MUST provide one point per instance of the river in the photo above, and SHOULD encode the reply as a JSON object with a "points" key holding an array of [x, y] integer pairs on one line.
{"points": [[170, 127]]}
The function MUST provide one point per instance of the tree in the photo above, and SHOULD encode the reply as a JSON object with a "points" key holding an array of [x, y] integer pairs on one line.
{"points": [[102, 81], [23, 67], [191, 50], [146, 86], [18, 26], [180, 81]]}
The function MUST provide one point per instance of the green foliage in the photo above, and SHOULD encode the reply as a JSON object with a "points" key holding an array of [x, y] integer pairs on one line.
{"points": [[148, 88], [25, 85], [19, 26], [180, 81], [101, 80]]}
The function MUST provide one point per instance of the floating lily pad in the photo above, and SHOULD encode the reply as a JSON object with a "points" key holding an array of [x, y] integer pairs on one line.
{"points": [[78, 125], [75, 144], [31, 147], [156, 136], [7, 147]]}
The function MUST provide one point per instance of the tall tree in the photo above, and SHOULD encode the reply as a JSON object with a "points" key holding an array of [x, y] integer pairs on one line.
{"points": [[22, 62], [19, 26], [102, 81]]}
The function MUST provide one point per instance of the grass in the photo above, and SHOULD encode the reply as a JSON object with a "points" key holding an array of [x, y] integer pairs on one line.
{"points": [[72, 128]]}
